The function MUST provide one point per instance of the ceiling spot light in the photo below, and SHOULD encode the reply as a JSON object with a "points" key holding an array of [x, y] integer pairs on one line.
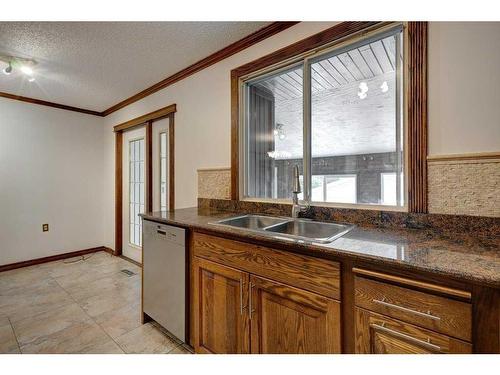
{"points": [[384, 87], [7, 70], [26, 70], [31, 79]]}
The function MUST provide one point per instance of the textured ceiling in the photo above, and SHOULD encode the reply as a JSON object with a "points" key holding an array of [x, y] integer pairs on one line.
{"points": [[95, 65]]}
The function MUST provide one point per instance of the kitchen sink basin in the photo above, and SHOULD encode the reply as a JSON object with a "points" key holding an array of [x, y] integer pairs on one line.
{"points": [[253, 222], [301, 229], [316, 231]]}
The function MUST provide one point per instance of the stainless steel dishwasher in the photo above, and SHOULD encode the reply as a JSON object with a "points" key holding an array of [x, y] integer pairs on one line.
{"points": [[164, 273]]}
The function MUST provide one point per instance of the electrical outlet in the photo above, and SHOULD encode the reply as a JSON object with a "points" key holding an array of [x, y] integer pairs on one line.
{"points": [[45, 227]]}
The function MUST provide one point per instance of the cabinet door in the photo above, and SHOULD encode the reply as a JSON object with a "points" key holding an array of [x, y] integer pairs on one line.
{"points": [[220, 295], [377, 334], [290, 320]]}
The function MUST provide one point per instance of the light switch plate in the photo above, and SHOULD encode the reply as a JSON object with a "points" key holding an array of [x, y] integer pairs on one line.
{"points": [[45, 227]]}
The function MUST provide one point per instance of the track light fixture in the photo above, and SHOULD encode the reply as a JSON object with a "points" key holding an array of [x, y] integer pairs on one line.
{"points": [[7, 70], [19, 63]]}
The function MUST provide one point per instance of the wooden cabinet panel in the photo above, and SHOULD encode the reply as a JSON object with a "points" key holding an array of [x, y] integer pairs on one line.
{"points": [[377, 334], [317, 275], [437, 313], [290, 320], [220, 295]]}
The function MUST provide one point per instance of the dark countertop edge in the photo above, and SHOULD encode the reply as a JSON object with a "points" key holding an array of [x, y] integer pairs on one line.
{"points": [[310, 249]]}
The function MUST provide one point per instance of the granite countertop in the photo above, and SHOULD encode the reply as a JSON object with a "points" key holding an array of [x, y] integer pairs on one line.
{"points": [[474, 259]]}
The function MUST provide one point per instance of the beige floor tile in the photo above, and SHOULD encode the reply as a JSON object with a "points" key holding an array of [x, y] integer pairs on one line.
{"points": [[146, 339], [8, 342], [87, 273], [180, 350], [64, 330], [76, 338], [26, 277], [120, 321], [109, 347], [107, 284], [4, 321], [45, 324], [74, 265], [28, 302], [104, 302], [76, 308]]}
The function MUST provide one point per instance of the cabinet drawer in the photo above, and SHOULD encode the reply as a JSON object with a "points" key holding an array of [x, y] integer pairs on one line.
{"points": [[377, 334], [426, 310], [309, 273]]}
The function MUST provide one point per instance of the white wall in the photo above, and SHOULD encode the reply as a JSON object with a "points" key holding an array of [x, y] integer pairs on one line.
{"points": [[464, 87], [50, 172], [463, 108]]}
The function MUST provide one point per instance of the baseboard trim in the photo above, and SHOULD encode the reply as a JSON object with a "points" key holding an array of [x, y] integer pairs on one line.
{"points": [[131, 260], [108, 250], [52, 258]]}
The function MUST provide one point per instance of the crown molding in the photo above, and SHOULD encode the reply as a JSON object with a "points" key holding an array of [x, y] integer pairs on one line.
{"points": [[212, 59], [49, 104]]}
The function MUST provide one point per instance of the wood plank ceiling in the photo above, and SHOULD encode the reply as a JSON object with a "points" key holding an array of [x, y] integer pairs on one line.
{"points": [[355, 65]]}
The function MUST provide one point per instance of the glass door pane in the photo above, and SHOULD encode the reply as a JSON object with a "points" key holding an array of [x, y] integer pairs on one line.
{"points": [[163, 171], [136, 190]]}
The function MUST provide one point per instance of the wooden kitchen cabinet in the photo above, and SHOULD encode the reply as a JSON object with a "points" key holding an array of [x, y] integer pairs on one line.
{"points": [[276, 319], [290, 320], [220, 322], [249, 298], [391, 318], [377, 334]]}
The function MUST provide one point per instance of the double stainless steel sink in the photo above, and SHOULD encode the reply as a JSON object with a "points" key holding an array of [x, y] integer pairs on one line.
{"points": [[300, 229]]}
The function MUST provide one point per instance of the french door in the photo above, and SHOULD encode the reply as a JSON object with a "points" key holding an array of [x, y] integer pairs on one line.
{"points": [[134, 191], [137, 189]]}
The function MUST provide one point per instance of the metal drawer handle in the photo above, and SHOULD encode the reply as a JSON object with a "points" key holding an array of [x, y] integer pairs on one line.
{"points": [[402, 308], [427, 343]]}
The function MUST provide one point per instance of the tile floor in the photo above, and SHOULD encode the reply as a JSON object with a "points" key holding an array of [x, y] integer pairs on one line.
{"points": [[72, 306]]}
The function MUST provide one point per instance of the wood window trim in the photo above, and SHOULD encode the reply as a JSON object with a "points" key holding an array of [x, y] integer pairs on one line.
{"points": [[147, 121], [416, 96]]}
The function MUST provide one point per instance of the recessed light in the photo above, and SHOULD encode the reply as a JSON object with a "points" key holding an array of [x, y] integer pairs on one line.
{"points": [[31, 79]]}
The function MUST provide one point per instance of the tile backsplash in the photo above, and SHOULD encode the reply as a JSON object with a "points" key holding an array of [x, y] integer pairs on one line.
{"points": [[214, 183], [464, 187]]}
